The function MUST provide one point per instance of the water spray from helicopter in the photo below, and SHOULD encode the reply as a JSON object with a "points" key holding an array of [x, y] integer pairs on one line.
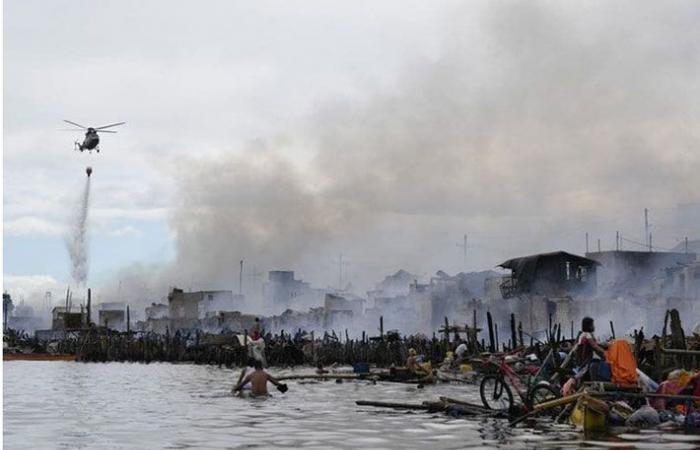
{"points": [[77, 240]]}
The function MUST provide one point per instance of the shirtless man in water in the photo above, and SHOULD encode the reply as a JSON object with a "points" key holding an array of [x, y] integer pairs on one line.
{"points": [[258, 381]]}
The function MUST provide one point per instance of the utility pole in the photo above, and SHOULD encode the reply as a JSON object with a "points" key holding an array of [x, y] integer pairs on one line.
{"points": [[617, 241], [649, 242], [341, 263], [646, 227], [240, 280], [464, 248], [586, 241]]}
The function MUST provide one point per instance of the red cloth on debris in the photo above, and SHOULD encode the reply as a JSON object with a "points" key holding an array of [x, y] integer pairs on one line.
{"points": [[622, 362]]}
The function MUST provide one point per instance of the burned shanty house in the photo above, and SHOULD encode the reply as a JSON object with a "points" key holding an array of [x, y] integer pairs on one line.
{"points": [[648, 283], [544, 286], [63, 319], [553, 274], [633, 272], [283, 291], [112, 315], [342, 310], [186, 309]]}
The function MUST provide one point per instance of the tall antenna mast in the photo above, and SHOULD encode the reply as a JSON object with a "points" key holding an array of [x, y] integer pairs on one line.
{"points": [[341, 263], [646, 228], [240, 280], [463, 246]]}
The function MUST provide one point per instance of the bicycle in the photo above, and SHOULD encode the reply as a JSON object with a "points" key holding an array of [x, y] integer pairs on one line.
{"points": [[496, 393]]}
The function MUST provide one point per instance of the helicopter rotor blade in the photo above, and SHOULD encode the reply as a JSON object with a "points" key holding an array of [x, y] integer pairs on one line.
{"points": [[76, 124], [111, 125], [105, 131]]}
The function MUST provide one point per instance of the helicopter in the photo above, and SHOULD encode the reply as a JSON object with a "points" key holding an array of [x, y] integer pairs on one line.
{"points": [[92, 139]]}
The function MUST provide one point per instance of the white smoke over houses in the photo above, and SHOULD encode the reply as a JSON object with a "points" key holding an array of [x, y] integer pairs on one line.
{"points": [[525, 124]]}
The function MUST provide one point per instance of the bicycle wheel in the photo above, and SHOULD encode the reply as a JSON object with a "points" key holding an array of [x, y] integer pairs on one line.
{"points": [[543, 393], [495, 393]]}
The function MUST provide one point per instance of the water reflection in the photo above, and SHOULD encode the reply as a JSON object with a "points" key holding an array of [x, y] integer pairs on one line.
{"points": [[115, 405]]}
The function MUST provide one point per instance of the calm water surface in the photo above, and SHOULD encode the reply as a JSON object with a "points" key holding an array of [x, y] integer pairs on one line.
{"points": [[123, 406]]}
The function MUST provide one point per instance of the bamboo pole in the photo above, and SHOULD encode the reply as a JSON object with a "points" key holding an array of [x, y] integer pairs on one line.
{"points": [[392, 405], [520, 333], [492, 342], [645, 395], [674, 351], [547, 405], [326, 376], [513, 336]]}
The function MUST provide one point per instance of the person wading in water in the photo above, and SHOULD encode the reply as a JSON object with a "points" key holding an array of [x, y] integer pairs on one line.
{"points": [[258, 380]]}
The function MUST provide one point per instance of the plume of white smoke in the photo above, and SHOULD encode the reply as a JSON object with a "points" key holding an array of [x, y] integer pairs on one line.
{"points": [[534, 124], [77, 240]]}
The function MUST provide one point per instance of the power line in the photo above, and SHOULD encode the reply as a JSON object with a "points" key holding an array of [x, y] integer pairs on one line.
{"points": [[645, 245]]}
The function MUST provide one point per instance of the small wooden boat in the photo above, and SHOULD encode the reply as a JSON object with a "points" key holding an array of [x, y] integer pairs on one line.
{"points": [[38, 357], [590, 413]]}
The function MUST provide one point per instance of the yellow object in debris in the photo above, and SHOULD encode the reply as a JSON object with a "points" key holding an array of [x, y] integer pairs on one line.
{"points": [[684, 378], [465, 368], [590, 413]]}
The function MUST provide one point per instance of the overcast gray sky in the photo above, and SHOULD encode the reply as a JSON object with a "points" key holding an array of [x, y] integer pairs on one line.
{"points": [[284, 133]]}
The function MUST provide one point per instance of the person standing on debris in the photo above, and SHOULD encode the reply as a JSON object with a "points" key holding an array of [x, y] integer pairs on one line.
{"points": [[255, 332], [587, 347], [258, 380], [412, 360], [460, 353]]}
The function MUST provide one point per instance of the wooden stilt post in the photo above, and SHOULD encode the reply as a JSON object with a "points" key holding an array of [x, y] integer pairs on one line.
{"points": [[513, 337], [495, 327], [492, 341], [520, 333], [89, 303], [313, 347]]}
